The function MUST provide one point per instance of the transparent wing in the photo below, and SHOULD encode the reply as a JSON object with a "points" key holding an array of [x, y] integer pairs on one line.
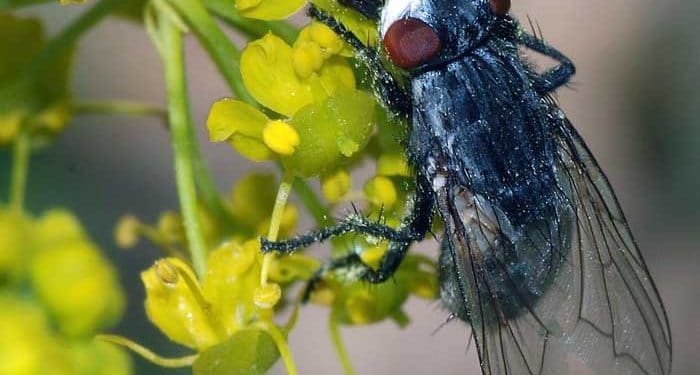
{"points": [[568, 295]]}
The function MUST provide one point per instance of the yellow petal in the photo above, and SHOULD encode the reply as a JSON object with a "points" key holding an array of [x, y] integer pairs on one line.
{"points": [[268, 74], [268, 9], [330, 42], [335, 185], [252, 148], [229, 116], [233, 273], [381, 192], [175, 307], [335, 73], [307, 58]]}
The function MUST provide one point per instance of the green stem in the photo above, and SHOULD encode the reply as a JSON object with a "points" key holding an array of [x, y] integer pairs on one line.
{"points": [[222, 51], [338, 345], [182, 140], [118, 107], [61, 44], [282, 346], [310, 200], [208, 191], [186, 361], [275, 222], [20, 170], [17, 4]]}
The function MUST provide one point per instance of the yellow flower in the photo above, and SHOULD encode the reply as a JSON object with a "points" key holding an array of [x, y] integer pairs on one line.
{"points": [[323, 119], [268, 9], [381, 192], [175, 305], [37, 101], [335, 185], [78, 286], [23, 335], [14, 232]]}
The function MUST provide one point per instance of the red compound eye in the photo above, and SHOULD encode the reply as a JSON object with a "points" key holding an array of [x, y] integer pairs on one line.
{"points": [[411, 42], [500, 7]]}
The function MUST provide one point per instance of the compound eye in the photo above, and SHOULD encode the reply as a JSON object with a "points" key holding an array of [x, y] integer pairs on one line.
{"points": [[411, 42], [500, 7]]}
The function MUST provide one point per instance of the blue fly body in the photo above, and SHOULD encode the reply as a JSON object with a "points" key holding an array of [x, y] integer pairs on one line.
{"points": [[537, 255]]}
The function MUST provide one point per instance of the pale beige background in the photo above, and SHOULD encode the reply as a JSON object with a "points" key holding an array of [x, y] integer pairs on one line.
{"points": [[104, 167]]}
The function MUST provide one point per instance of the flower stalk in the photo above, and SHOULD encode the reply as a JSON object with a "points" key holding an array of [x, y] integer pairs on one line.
{"points": [[20, 170], [182, 140], [277, 212]]}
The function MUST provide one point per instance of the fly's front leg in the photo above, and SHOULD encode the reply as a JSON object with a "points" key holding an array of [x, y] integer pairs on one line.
{"points": [[394, 97], [556, 77], [368, 8]]}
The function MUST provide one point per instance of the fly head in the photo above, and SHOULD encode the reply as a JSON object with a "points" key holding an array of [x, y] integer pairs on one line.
{"points": [[421, 33]]}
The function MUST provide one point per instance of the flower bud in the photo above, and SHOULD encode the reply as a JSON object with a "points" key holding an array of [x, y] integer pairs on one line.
{"points": [[267, 296], [280, 137], [126, 233], [335, 185]]}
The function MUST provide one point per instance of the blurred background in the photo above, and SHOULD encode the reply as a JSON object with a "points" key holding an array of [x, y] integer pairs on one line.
{"points": [[635, 99]]}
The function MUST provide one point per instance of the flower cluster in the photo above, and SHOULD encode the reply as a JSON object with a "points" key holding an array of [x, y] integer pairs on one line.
{"points": [[223, 311], [56, 292], [302, 102], [314, 117], [33, 98], [320, 120]]}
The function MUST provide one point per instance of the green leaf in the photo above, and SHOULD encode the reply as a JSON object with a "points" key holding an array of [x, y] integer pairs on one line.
{"points": [[248, 352]]}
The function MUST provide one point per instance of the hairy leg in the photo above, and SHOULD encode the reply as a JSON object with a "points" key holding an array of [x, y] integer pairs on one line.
{"points": [[369, 8], [556, 77], [413, 228]]}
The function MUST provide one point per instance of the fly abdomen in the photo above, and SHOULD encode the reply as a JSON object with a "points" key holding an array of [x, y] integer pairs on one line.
{"points": [[513, 266]]}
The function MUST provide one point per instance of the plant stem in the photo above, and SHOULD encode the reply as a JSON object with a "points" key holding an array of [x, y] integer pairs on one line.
{"points": [[20, 170], [338, 345], [275, 222], [222, 51], [310, 200], [148, 355], [182, 140], [61, 44], [282, 346]]}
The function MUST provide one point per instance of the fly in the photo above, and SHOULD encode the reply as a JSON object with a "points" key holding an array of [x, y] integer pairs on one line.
{"points": [[537, 255]]}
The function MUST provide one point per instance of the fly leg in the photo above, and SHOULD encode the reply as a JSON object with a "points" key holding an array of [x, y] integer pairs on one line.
{"points": [[413, 228], [394, 97], [368, 8], [553, 78], [388, 265]]}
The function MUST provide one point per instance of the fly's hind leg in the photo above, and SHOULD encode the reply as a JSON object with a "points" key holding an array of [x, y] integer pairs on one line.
{"points": [[390, 262], [413, 228], [388, 90]]}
